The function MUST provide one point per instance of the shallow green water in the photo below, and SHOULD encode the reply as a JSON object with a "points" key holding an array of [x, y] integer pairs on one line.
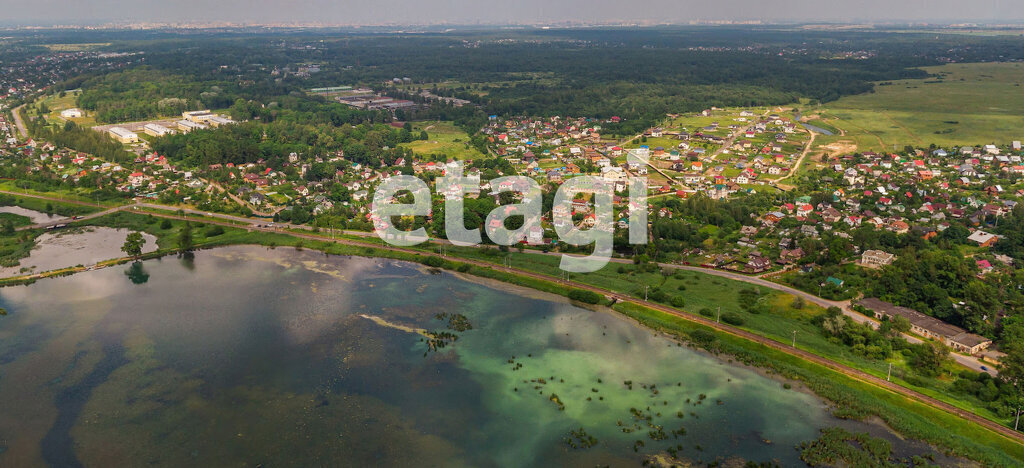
{"points": [[245, 356]]}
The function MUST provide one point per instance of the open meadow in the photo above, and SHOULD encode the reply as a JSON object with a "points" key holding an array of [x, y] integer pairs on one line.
{"points": [[443, 138], [961, 104]]}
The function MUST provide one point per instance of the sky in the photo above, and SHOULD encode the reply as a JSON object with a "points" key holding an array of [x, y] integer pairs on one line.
{"points": [[369, 12]]}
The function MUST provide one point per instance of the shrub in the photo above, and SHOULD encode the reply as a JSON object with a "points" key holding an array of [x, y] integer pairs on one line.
{"points": [[582, 295], [732, 319], [677, 301], [706, 312], [463, 268], [214, 231], [435, 262], [165, 224], [702, 337]]}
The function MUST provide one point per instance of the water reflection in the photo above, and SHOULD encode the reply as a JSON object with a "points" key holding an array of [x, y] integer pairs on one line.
{"points": [[188, 260], [246, 356], [137, 273]]}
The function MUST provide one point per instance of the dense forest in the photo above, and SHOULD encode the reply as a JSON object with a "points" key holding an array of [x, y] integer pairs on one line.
{"points": [[143, 93], [365, 143], [637, 74]]}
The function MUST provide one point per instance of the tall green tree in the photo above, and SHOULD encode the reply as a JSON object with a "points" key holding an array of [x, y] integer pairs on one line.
{"points": [[133, 244]]}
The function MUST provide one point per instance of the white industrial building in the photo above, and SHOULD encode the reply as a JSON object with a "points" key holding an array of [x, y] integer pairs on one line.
{"points": [[188, 125], [123, 135], [157, 130]]}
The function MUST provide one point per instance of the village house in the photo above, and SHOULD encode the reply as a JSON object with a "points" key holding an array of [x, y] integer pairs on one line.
{"points": [[982, 238], [787, 256], [758, 264], [876, 258]]}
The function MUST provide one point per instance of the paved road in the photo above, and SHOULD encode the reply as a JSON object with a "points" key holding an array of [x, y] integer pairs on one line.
{"points": [[18, 123], [58, 222]]}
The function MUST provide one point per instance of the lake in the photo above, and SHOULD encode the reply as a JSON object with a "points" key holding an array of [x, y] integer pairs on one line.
{"points": [[817, 129], [33, 215], [75, 246], [245, 356]]}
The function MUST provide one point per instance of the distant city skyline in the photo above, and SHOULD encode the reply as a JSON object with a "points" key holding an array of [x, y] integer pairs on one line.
{"points": [[397, 12]]}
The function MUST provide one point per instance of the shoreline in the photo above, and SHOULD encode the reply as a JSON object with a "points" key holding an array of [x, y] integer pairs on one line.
{"points": [[879, 426], [743, 345]]}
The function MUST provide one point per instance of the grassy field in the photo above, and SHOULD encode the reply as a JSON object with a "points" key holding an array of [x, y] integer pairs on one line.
{"points": [[964, 104], [82, 195], [17, 246], [76, 47], [45, 206], [444, 139], [57, 104], [15, 219], [666, 143]]}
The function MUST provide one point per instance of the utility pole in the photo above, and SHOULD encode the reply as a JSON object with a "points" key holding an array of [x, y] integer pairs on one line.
{"points": [[1016, 421], [888, 377], [794, 338], [718, 317], [645, 292]]}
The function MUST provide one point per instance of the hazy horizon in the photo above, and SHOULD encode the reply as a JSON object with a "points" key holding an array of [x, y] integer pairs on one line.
{"points": [[469, 12]]}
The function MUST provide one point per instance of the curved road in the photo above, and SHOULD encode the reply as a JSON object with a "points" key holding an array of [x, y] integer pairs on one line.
{"points": [[796, 167]]}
